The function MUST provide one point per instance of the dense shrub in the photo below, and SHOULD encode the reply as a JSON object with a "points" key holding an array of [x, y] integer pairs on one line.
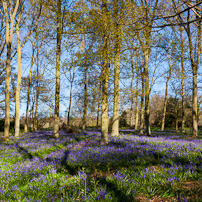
{"points": [[12, 125]]}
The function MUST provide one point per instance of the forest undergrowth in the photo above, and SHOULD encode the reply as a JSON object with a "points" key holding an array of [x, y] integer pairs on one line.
{"points": [[75, 167]]}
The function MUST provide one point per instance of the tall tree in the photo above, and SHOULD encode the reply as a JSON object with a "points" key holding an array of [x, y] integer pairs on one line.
{"points": [[8, 11], [183, 79], [194, 58], [58, 54], [17, 96], [105, 72], [148, 9], [118, 35]]}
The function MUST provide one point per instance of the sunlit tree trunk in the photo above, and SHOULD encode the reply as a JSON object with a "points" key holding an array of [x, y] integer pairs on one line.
{"points": [[105, 119], [118, 35], [58, 53], [147, 92], [9, 38], [17, 96], [104, 76]]}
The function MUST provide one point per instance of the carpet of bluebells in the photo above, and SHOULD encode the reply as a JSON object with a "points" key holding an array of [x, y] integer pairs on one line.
{"points": [[75, 167]]}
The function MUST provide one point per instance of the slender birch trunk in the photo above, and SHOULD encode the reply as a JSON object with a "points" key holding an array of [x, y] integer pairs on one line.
{"points": [[58, 54], [17, 96], [9, 38]]}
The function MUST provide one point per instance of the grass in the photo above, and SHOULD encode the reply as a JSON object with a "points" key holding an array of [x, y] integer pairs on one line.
{"points": [[74, 167]]}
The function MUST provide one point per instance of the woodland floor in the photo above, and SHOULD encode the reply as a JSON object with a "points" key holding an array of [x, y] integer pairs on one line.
{"points": [[75, 167]]}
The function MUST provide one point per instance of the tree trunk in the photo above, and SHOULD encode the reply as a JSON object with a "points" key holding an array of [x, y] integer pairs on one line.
{"points": [[37, 93], [85, 99], [147, 92], [70, 102], [9, 34], [137, 94], [142, 105], [51, 106], [118, 41], [98, 105], [194, 73], [29, 86], [105, 119], [105, 76], [166, 98], [131, 96], [7, 97], [17, 96], [176, 112], [33, 102], [58, 53], [183, 77]]}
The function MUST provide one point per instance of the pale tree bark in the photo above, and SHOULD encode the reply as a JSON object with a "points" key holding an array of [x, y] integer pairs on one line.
{"points": [[166, 96], [183, 78], [9, 38], [142, 104], [17, 96], [104, 76], [118, 35], [58, 54], [17, 107]]}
